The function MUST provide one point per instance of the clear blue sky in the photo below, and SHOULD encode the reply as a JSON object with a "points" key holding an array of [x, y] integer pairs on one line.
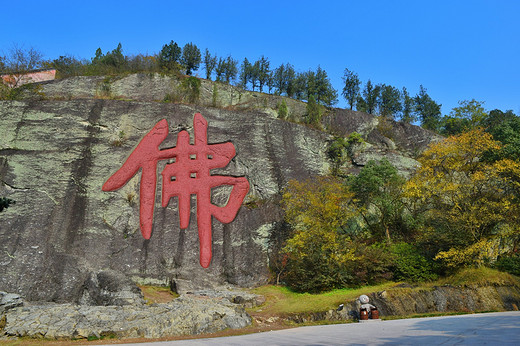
{"points": [[457, 49]]}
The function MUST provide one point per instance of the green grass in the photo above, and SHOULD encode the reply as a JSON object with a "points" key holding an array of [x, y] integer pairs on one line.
{"points": [[281, 300], [482, 276]]}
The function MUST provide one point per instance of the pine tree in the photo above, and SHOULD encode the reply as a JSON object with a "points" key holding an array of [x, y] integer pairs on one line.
{"points": [[169, 56], [407, 107], [190, 58], [390, 101], [427, 110], [351, 90], [210, 62]]}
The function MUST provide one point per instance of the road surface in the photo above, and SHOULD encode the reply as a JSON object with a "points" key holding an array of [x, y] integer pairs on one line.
{"points": [[500, 328]]}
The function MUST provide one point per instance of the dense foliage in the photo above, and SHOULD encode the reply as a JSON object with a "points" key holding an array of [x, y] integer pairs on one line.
{"points": [[460, 209], [379, 188], [321, 253]]}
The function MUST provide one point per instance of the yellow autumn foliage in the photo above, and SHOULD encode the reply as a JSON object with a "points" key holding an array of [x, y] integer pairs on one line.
{"points": [[465, 196], [474, 255], [323, 202], [318, 209], [320, 252]]}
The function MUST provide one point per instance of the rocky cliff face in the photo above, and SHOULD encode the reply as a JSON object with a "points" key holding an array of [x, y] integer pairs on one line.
{"points": [[56, 153]]}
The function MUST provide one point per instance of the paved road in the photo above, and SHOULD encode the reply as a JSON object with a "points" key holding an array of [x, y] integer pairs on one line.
{"points": [[502, 328]]}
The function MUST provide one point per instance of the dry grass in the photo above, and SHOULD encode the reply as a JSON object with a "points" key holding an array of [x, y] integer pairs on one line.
{"points": [[157, 294]]}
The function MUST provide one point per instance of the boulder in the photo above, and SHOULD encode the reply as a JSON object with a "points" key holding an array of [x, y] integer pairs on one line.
{"points": [[9, 301], [248, 300], [109, 287]]}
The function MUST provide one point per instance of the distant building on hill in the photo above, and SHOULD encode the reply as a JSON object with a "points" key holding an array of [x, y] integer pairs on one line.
{"points": [[17, 79]]}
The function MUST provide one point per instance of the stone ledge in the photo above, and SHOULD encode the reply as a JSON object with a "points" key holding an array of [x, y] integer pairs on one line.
{"points": [[183, 316]]}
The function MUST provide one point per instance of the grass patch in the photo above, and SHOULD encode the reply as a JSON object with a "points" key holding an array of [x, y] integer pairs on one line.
{"points": [[281, 300], [482, 276], [157, 294]]}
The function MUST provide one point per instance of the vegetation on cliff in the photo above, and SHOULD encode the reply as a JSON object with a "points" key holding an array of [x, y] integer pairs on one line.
{"points": [[313, 86], [459, 209]]}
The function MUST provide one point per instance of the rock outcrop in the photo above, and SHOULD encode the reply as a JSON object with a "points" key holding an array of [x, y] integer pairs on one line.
{"points": [[186, 315], [110, 287], [399, 143], [407, 301], [9, 301]]}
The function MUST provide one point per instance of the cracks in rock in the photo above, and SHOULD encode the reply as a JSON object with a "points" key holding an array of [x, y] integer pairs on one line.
{"points": [[25, 189], [271, 155], [113, 253], [78, 184], [48, 195], [14, 187], [74, 211]]}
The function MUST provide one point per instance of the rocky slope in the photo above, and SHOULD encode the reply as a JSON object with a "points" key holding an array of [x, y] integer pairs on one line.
{"points": [[56, 153], [408, 301]]}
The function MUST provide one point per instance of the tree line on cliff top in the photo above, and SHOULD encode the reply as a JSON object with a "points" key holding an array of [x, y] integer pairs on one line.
{"points": [[313, 86], [259, 75]]}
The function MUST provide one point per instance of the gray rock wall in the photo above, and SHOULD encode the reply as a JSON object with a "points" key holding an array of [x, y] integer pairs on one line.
{"points": [[54, 157], [399, 143], [56, 153], [153, 87]]}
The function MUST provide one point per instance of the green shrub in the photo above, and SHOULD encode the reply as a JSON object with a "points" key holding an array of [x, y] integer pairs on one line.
{"points": [[25, 91], [313, 274], [509, 264], [5, 203], [283, 110], [214, 96], [354, 138], [368, 265], [190, 86], [313, 115], [337, 154], [372, 265], [410, 265], [104, 88], [171, 98]]}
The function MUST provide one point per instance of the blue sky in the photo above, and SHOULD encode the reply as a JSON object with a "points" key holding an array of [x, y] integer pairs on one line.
{"points": [[458, 50]]}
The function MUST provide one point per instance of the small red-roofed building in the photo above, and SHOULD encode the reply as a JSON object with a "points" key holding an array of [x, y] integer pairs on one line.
{"points": [[18, 79]]}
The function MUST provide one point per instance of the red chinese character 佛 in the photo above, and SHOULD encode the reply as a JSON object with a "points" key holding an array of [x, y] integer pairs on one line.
{"points": [[188, 173]]}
